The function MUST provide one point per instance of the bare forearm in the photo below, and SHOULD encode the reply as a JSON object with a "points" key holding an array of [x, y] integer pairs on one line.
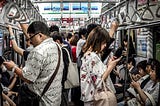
{"points": [[24, 29], [16, 48], [142, 94], [12, 83], [106, 73], [18, 71], [8, 99]]}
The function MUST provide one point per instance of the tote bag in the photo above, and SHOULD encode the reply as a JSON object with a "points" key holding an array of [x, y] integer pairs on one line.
{"points": [[104, 97], [72, 75]]}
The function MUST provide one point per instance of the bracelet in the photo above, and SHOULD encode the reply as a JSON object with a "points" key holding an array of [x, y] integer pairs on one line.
{"points": [[14, 68], [12, 37]]}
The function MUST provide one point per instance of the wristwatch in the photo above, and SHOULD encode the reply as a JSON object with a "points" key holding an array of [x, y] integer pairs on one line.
{"points": [[12, 37]]}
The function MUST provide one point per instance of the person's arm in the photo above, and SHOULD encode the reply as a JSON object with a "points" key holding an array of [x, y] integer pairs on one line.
{"points": [[110, 66], [113, 28], [14, 43], [11, 66], [13, 82], [5, 97], [142, 95], [24, 29]]}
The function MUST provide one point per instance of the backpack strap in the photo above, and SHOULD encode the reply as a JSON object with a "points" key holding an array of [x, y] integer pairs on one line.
{"points": [[54, 74]]}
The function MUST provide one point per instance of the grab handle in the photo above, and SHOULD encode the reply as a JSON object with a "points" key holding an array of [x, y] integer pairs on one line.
{"points": [[158, 11], [149, 10], [12, 11]]}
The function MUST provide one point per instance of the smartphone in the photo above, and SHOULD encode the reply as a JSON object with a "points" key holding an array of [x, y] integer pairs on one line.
{"points": [[2, 59], [118, 53]]}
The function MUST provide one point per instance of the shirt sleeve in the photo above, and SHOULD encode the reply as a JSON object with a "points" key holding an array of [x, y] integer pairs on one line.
{"points": [[98, 70], [33, 66]]}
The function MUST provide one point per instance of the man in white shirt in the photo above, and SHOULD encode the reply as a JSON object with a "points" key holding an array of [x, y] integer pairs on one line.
{"points": [[41, 64]]}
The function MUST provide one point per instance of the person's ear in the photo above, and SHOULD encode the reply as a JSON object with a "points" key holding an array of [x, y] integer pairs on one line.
{"points": [[40, 34]]}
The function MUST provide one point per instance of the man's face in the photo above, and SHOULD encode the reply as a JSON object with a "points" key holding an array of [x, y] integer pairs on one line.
{"points": [[34, 39]]}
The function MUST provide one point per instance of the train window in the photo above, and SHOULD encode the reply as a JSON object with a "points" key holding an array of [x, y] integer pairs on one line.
{"points": [[144, 42], [157, 43], [158, 46]]}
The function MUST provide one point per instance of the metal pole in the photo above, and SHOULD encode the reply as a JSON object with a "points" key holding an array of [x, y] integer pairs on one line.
{"points": [[126, 69]]}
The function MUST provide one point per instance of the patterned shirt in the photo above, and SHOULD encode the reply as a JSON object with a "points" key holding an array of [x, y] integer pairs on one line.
{"points": [[40, 66], [153, 90], [91, 72]]}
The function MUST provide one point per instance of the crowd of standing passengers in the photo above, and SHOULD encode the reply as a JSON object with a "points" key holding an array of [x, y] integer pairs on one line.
{"points": [[91, 46]]}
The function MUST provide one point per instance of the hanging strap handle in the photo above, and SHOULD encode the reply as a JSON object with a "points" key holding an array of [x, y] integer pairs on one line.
{"points": [[147, 8], [54, 74]]}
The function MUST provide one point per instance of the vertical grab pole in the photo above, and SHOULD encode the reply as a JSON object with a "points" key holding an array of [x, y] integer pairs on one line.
{"points": [[126, 69]]}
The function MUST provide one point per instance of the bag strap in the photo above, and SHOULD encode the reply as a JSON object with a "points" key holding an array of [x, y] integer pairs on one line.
{"points": [[54, 74], [69, 57]]}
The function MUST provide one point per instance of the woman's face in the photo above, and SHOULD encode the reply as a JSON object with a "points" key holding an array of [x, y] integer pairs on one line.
{"points": [[103, 46], [141, 72], [153, 75], [148, 68]]}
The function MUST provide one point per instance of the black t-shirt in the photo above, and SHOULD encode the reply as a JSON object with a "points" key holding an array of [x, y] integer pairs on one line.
{"points": [[25, 54]]}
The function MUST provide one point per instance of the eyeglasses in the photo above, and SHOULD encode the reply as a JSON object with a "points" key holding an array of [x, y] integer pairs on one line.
{"points": [[32, 36]]}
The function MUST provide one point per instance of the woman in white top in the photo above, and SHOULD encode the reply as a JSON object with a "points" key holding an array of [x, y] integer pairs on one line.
{"points": [[93, 71]]}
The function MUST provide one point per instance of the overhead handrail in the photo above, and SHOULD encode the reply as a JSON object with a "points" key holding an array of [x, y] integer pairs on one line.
{"points": [[23, 18], [124, 21], [158, 11], [135, 14], [147, 8], [12, 11]]}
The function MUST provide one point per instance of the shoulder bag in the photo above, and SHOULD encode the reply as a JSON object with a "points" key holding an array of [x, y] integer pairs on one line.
{"points": [[104, 96], [72, 75], [26, 97]]}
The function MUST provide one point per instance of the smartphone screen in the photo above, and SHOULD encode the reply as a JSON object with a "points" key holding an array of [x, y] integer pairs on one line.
{"points": [[118, 53]]}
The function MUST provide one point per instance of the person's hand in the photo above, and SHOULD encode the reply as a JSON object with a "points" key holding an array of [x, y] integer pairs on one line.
{"points": [[113, 62], [135, 85], [9, 65], [114, 25]]}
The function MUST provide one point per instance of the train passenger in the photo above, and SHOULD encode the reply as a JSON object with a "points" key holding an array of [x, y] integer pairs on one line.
{"points": [[131, 70], [81, 41], [93, 70], [125, 43], [41, 64], [149, 95], [59, 39], [55, 28], [17, 49]]}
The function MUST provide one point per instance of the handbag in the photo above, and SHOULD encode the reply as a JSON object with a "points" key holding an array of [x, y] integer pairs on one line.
{"points": [[72, 75], [26, 97], [104, 97]]}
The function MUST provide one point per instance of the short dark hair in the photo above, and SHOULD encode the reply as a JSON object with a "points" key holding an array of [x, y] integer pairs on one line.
{"points": [[57, 36], [142, 65], [82, 31], [54, 28], [155, 65], [38, 27], [132, 59]]}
